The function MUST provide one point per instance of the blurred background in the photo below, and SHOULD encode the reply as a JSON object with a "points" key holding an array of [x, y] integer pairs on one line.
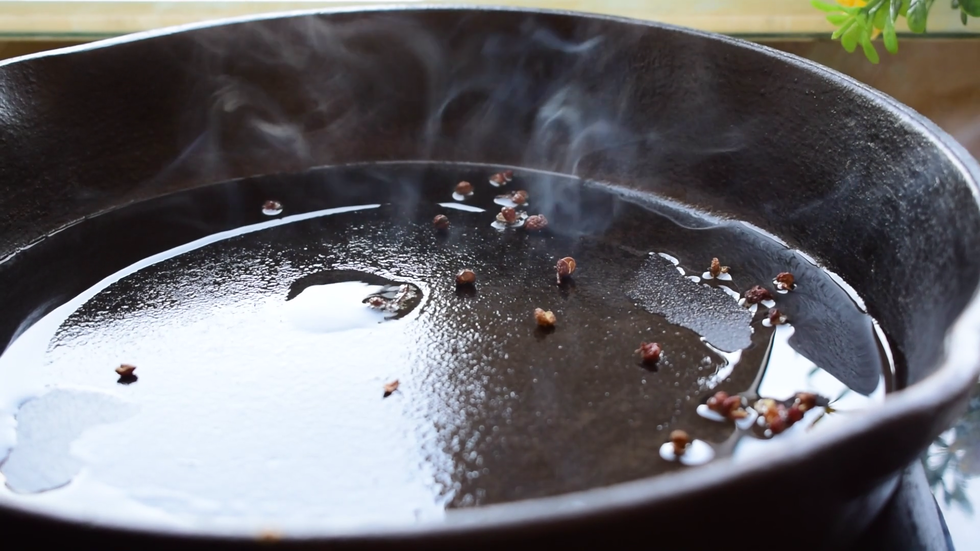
{"points": [[936, 73]]}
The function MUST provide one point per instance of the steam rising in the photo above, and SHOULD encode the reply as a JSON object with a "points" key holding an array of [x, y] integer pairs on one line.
{"points": [[285, 95]]}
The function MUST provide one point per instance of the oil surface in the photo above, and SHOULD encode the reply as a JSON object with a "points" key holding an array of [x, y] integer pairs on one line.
{"points": [[259, 400]]}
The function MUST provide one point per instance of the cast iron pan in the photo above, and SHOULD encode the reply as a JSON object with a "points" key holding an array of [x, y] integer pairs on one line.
{"points": [[868, 188]]}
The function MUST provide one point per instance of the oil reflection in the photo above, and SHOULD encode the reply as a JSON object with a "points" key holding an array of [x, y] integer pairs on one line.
{"points": [[952, 463], [796, 373]]}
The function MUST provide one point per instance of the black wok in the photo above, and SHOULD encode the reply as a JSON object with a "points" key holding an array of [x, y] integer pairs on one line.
{"points": [[867, 187]]}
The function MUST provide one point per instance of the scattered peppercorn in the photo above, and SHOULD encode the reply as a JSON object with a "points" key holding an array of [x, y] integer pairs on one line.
{"points": [[464, 188], [544, 319], [776, 317], [777, 425], [269, 536], [536, 223], [773, 415], [727, 406], [732, 407], [507, 215], [441, 222], [779, 416], [498, 179], [390, 388], [650, 352], [805, 401], [565, 268], [774, 410], [126, 375], [716, 401], [126, 370], [271, 208], [519, 197], [716, 268], [508, 175], [756, 295], [785, 281], [466, 277], [680, 440]]}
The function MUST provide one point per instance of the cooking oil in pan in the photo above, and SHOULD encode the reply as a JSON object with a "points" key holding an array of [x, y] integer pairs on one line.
{"points": [[305, 358]]}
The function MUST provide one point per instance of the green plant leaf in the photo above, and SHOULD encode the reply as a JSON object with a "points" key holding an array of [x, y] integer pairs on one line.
{"points": [[824, 6], [963, 17], [970, 7], [856, 25], [889, 35], [881, 14], [850, 39], [861, 20], [843, 29], [869, 50], [918, 14]]}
